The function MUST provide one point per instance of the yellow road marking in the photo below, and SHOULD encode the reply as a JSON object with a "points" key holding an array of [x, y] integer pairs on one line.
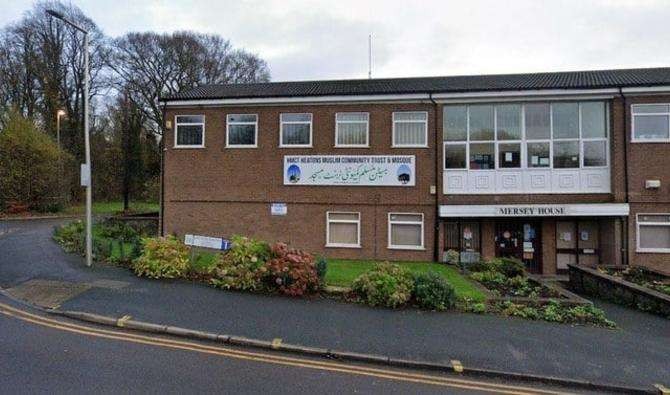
{"points": [[276, 343], [457, 365], [662, 389], [268, 358], [121, 322]]}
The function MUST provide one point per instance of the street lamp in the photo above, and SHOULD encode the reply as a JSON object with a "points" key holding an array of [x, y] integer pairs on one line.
{"points": [[86, 168], [59, 114]]}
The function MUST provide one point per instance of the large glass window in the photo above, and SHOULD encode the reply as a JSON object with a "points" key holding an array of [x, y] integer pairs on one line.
{"points": [[189, 131], [410, 129], [295, 130], [562, 135], [405, 231], [242, 130], [351, 129], [651, 122], [653, 233], [343, 229]]}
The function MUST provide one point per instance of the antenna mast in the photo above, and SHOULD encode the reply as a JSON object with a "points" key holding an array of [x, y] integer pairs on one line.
{"points": [[370, 56]]}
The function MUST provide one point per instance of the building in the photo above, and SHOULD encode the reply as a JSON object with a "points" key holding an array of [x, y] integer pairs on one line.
{"points": [[552, 168]]}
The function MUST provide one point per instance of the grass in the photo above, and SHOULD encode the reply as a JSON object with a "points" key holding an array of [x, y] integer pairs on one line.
{"points": [[343, 272], [100, 208]]}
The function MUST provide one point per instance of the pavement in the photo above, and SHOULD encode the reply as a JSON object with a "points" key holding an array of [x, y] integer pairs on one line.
{"points": [[636, 354]]}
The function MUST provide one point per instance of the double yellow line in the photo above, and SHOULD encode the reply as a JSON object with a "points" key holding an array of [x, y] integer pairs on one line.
{"points": [[269, 358]]}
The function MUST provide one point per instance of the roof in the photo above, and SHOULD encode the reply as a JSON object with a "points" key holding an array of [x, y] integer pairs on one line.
{"points": [[593, 79]]}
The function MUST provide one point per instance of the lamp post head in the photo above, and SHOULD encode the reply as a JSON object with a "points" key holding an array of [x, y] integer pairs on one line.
{"points": [[60, 113], [55, 14]]}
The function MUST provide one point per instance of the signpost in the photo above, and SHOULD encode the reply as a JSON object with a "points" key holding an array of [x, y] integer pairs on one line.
{"points": [[215, 243]]}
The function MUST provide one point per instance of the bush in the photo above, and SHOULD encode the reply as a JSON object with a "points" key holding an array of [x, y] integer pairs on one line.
{"points": [[385, 285], [292, 271], [162, 257], [510, 267], [71, 236], [432, 291], [321, 269], [243, 266], [452, 257]]}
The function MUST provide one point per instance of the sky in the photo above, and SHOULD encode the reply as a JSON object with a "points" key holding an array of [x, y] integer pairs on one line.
{"points": [[307, 40]]}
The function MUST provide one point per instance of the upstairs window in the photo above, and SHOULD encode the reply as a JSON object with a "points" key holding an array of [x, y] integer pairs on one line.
{"points": [[410, 129], [242, 130], [532, 135], [189, 131], [651, 122], [352, 129], [295, 130]]}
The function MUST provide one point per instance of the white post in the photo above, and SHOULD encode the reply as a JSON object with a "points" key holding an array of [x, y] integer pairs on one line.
{"points": [[87, 143]]}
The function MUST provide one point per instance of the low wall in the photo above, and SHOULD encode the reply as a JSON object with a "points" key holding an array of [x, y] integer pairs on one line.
{"points": [[592, 282]]}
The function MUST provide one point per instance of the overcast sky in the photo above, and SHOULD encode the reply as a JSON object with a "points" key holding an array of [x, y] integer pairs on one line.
{"points": [[303, 39]]}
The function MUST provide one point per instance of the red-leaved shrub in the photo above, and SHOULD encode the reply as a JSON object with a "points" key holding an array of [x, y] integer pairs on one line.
{"points": [[292, 271]]}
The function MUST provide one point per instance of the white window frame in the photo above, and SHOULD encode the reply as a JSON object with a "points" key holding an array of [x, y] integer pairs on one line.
{"points": [[176, 130], [281, 129], [343, 221], [632, 122], [637, 234], [367, 130], [425, 130], [402, 247], [229, 124]]}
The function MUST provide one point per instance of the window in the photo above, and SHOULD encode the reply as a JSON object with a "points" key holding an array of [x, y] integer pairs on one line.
{"points": [[405, 231], [651, 122], [343, 230], [242, 130], [410, 129], [295, 130], [352, 129], [653, 233], [562, 135], [189, 131]]}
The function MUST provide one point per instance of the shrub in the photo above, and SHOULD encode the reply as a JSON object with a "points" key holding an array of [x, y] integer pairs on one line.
{"points": [[510, 267], [162, 257], [452, 257], [432, 291], [71, 236], [385, 285], [489, 278], [243, 266], [321, 269], [292, 271]]}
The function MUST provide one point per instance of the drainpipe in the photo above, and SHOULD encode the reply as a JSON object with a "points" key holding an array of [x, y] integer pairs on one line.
{"points": [[161, 200], [438, 145], [624, 227]]}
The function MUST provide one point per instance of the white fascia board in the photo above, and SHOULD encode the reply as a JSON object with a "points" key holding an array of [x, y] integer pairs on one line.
{"points": [[523, 94], [535, 210], [647, 89], [299, 100]]}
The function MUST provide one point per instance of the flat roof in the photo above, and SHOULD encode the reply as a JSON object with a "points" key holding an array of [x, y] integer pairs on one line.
{"points": [[591, 79]]}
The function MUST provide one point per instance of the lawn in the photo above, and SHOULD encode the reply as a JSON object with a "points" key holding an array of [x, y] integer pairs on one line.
{"points": [[342, 273], [100, 208]]}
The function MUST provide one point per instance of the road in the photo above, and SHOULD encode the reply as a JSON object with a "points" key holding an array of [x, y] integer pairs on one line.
{"points": [[40, 354]]}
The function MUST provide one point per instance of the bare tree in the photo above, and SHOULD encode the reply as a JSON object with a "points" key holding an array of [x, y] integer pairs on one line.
{"points": [[150, 65]]}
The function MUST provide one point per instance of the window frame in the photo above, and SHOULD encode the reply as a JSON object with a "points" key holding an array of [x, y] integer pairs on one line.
{"points": [[637, 234], [281, 129], [367, 130], [343, 221], [393, 128], [390, 245], [228, 124], [176, 131], [632, 122]]}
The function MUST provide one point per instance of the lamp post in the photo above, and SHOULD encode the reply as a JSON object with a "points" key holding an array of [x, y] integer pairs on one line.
{"points": [[59, 114], [86, 169]]}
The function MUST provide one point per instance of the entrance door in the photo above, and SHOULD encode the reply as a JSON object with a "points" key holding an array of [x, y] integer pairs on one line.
{"points": [[520, 240]]}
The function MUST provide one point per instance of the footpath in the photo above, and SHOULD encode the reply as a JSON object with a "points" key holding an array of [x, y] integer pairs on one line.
{"points": [[637, 354]]}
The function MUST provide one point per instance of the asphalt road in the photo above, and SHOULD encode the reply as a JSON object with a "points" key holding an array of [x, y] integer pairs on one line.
{"points": [[37, 355]]}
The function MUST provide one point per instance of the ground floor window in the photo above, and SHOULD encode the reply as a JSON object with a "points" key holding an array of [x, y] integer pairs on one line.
{"points": [[343, 229], [653, 233], [405, 231], [462, 236]]}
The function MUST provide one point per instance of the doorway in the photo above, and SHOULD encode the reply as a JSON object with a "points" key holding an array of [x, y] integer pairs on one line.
{"points": [[522, 240], [577, 243]]}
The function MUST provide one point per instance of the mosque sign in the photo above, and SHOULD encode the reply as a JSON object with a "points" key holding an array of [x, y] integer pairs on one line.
{"points": [[350, 170]]}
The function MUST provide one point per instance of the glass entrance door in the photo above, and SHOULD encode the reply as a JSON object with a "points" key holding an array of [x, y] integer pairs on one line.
{"points": [[520, 240]]}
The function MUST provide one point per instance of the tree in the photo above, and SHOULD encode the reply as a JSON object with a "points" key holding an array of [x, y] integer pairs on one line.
{"points": [[29, 166], [150, 65]]}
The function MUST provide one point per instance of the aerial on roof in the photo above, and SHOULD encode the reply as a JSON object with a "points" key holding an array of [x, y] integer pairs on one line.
{"points": [[595, 79]]}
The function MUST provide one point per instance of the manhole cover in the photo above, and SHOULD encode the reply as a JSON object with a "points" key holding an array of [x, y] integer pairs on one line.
{"points": [[47, 293]]}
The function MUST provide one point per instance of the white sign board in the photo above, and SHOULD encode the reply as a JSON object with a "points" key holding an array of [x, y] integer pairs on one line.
{"points": [[216, 243], [535, 210], [278, 209], [353, 170], [85, 175]]}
